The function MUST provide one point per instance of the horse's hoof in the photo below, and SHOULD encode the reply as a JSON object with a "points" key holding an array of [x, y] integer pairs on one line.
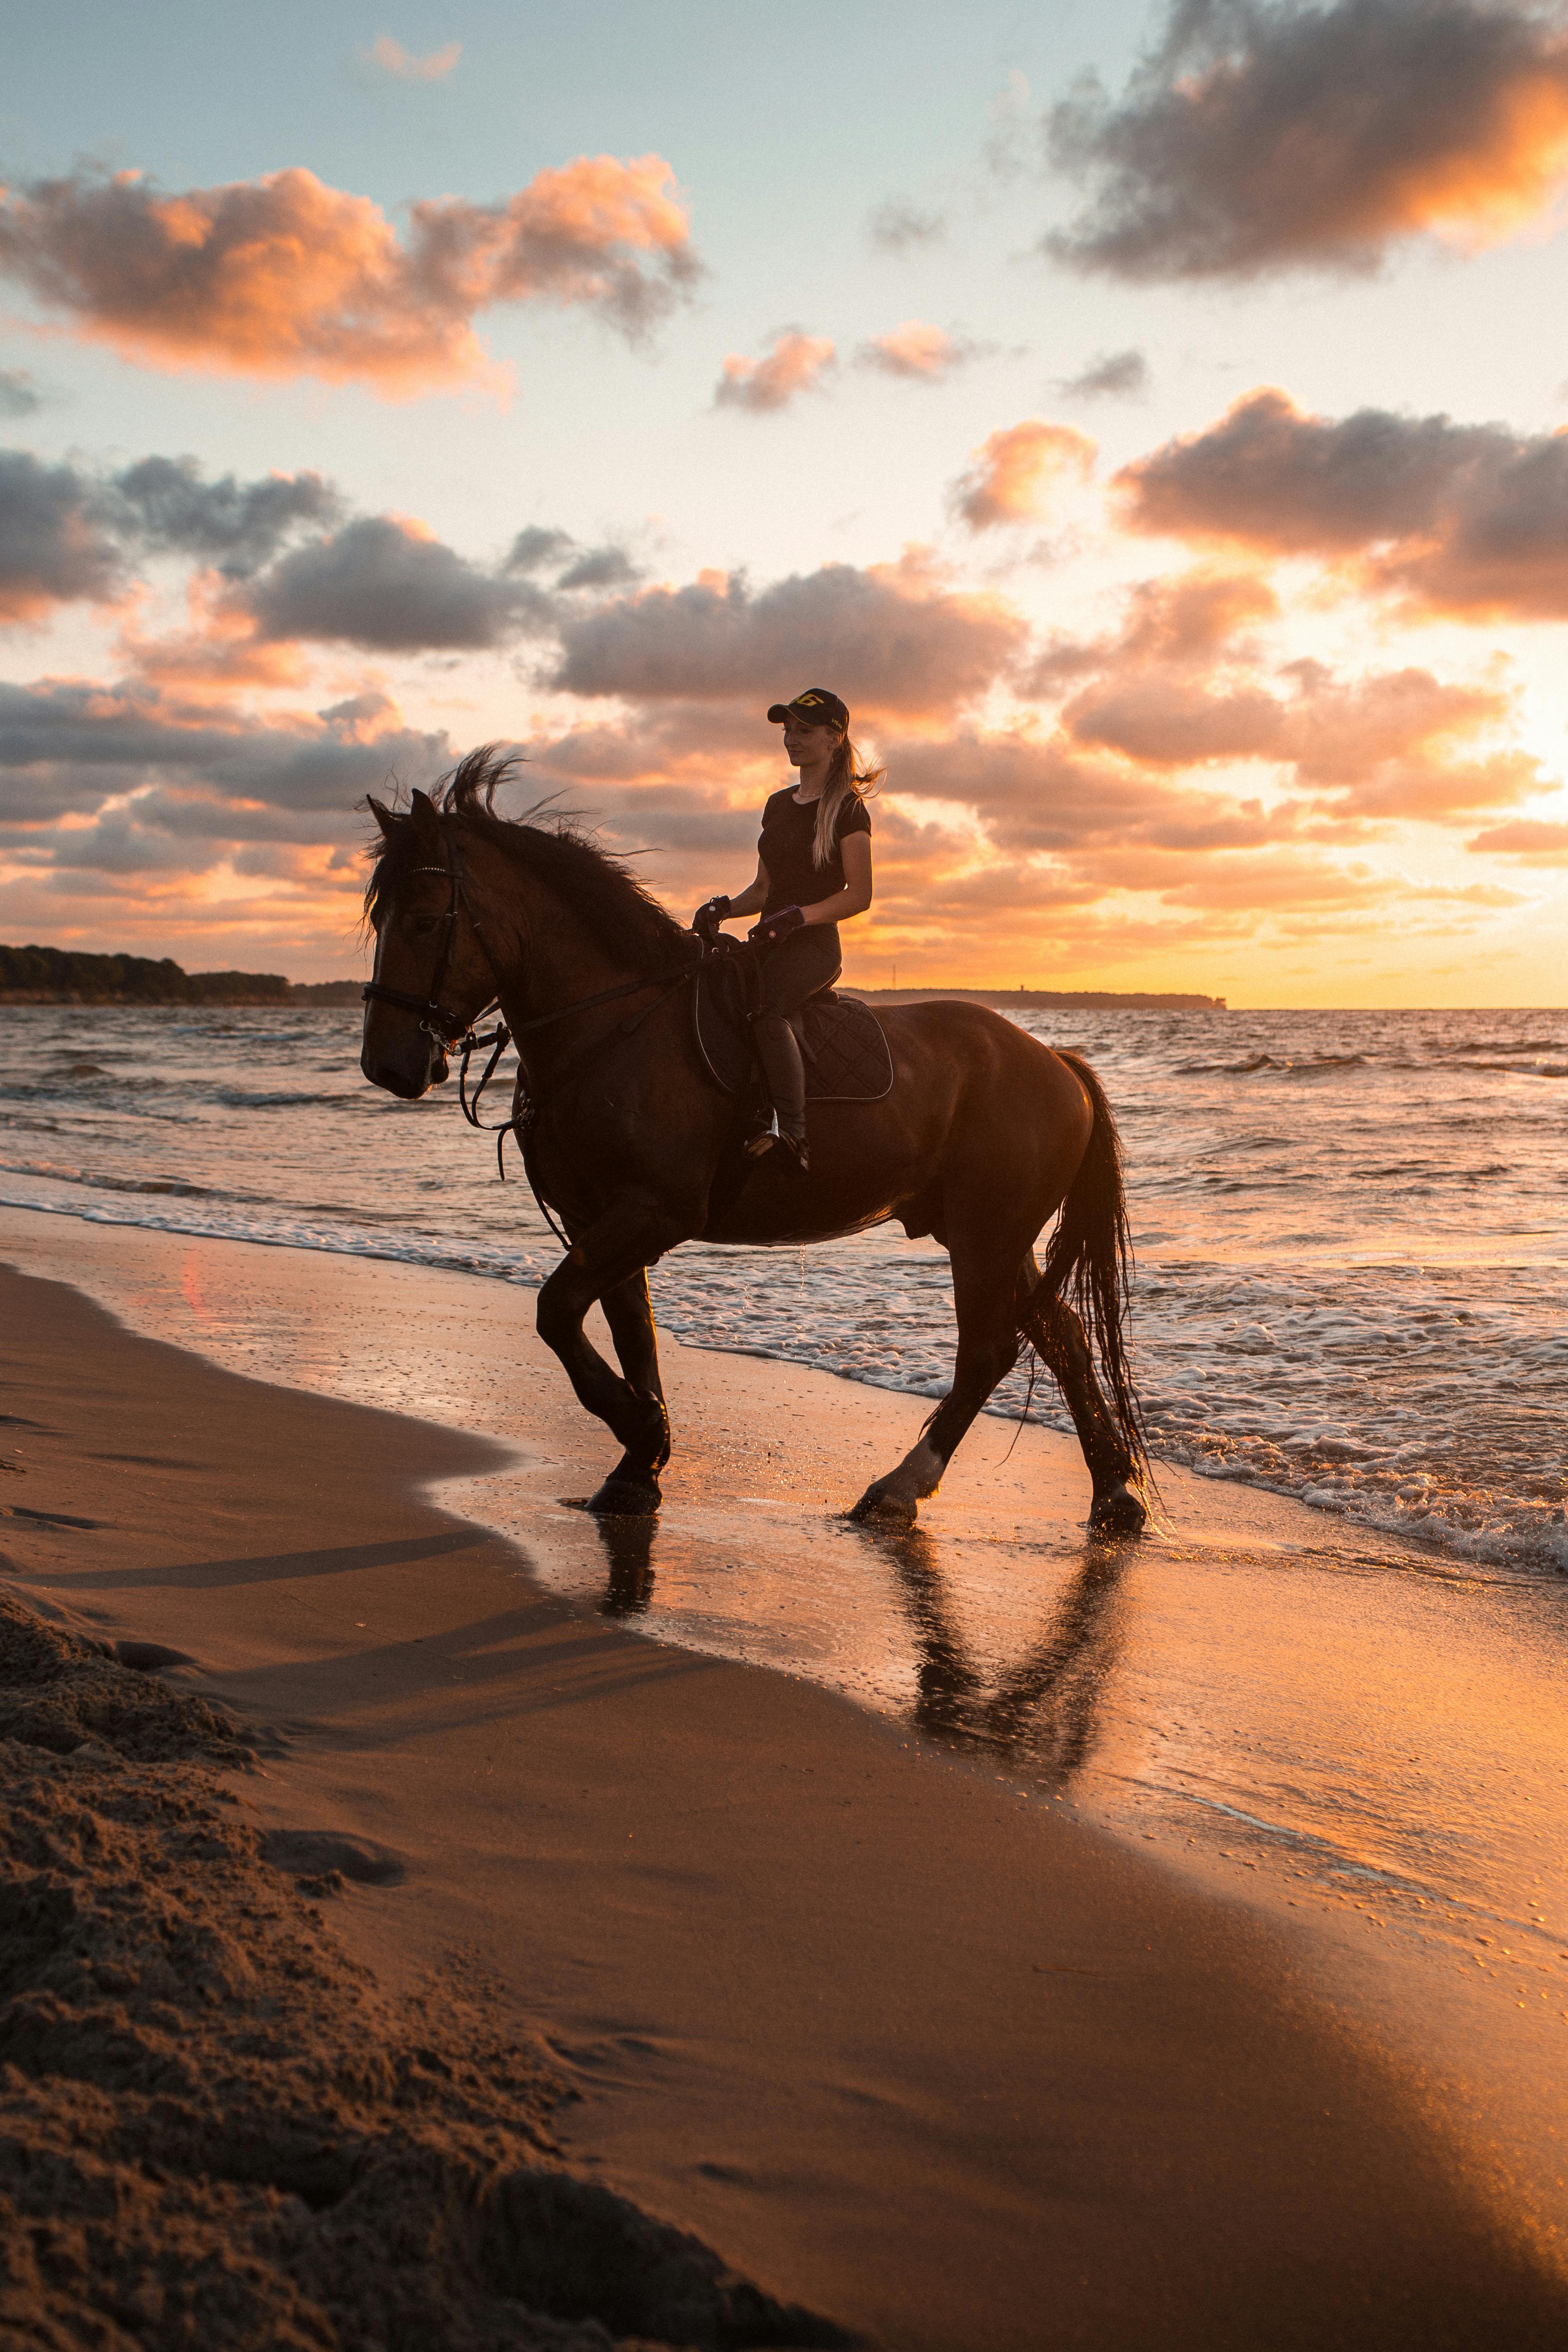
{"points": [[1119, 1513], [626, 1499], [878, 1502]]}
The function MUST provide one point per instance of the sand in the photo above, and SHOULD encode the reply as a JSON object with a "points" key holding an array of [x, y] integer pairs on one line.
{"points": [[931, 2061]]}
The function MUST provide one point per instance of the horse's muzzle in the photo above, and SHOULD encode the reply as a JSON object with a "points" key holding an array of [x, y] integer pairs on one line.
{"points": [[406, 1076]]}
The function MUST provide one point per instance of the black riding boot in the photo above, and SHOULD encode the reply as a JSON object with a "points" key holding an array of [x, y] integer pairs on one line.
{"points": [[778, 1050]]}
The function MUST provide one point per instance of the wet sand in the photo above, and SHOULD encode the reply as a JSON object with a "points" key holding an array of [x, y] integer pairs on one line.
{"points": [[909, 2045]]}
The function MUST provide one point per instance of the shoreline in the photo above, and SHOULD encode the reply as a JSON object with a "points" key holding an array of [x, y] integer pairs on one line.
{"points": [[633, 2094], [1466, 1553]]}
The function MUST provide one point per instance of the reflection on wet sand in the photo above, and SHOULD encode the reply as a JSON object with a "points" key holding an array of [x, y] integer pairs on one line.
{"points": [[1044, 1708], [628, 1549]]}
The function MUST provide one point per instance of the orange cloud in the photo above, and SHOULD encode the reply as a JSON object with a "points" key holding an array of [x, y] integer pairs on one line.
{"points": [[1532, 841], [1264, 137], [1017, 471], [285, 275], [796, 363], [402, 66]]}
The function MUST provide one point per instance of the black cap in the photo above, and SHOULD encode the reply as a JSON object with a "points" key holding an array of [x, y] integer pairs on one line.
{"points": [[816, 706]]}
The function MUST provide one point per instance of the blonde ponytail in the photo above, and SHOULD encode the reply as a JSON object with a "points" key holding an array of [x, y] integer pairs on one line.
{"points": [[845, 775]]}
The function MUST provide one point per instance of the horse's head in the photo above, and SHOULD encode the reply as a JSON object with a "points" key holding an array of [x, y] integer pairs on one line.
{"points": [[432, 976]]}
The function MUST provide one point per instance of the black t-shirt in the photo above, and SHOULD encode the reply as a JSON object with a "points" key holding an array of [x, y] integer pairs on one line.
{"points": [[785, 844]]}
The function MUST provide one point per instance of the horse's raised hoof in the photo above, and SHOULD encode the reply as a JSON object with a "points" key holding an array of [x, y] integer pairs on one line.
{"points": [[626, 1499], [879, 1502], [1117, 1512]]}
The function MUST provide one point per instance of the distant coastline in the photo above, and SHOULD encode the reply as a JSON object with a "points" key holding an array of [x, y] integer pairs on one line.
{"points": [[1044, 1000], [34, 975]]}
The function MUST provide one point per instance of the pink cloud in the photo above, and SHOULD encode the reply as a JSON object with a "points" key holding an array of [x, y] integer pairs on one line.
{"points": [[796, 363], [285, 275], [917, 351], [402, 66], [1016, 472]]}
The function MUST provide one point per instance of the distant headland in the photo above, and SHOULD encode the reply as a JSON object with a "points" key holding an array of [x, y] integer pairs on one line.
{"points": [[1044, 1000], [62, 976]]}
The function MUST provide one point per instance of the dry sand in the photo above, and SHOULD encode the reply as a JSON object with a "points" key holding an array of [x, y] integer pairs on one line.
{"points": [[940, 2064]]}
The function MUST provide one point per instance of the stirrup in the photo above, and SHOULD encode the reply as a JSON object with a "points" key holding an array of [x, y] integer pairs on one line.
{"points": [[795, 1153]]}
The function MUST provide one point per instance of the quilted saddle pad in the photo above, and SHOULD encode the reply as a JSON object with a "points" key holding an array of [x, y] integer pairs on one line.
{"points": [[842, 1041]]}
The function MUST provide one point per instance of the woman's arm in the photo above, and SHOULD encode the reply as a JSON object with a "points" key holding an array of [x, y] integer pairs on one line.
{"points": [[753, 897], [855, 850]]}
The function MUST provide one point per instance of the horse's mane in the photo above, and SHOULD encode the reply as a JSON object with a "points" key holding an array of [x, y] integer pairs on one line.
{"points": [[610, 900]]}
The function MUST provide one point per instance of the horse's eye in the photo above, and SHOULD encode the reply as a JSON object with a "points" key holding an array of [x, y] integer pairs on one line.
{"points": [[422, 925]]}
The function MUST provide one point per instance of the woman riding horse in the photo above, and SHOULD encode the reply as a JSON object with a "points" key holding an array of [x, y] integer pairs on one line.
{"points": [[814, 871], [985, 1137]]}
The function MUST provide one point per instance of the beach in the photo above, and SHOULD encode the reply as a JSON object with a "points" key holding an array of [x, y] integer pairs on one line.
{"points": [[891, 2009]]}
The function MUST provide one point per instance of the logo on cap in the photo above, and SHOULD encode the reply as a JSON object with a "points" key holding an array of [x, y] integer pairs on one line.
{"points": [[816, 705]]}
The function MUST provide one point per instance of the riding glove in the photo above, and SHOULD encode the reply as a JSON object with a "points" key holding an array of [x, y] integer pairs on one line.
{"points": [[775, 926], [705, 922]]}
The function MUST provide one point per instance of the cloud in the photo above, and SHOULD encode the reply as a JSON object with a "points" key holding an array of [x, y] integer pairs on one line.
{"points": [[1114, 375], [395, 60], [918, 352], [286, 277], [538, 548], [897, 226], [1464, 519], [891, 638], [19, 394], [796, 363], [235, 525], [67, 536], [1257, 138], [1532, 841], [69, 746], [53, 548], [385, 583], [1017, 471]]}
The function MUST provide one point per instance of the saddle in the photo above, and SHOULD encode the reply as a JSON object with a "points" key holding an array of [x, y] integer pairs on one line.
{"points": [[842, 1042]]}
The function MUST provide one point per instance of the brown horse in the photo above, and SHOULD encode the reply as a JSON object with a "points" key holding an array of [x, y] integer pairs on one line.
{"points": [[985, 1136]]}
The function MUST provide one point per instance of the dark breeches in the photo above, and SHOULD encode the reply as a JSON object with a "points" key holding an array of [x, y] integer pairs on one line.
{"points": [[797, 967]]}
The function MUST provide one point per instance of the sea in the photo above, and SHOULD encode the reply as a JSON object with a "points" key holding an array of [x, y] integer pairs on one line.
{"points": [[1350, 1229]]}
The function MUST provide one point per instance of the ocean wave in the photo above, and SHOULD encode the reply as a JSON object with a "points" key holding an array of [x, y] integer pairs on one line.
{"points": [[1303, 1067]]}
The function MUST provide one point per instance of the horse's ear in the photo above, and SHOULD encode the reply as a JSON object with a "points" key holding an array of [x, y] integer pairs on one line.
{"points": [[382, 816], [426, 823]]}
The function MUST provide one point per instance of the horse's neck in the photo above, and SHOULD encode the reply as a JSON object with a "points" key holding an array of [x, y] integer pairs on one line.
{"points": [[553, 960]]}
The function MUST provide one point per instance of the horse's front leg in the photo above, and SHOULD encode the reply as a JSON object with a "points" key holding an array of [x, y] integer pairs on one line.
{"points": [[631, 1486], [601, 1263]]}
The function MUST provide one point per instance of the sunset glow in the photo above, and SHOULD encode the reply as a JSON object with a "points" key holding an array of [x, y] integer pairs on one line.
{"points": [[1172, 476]]}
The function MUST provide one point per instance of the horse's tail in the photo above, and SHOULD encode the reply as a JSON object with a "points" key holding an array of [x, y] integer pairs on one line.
{"points": [[1089, 1263]]}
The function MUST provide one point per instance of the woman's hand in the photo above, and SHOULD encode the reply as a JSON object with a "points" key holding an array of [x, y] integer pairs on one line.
{"points": [[705, 922], [776, 926]]}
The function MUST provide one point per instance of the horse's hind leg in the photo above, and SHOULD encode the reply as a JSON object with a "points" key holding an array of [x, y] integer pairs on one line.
{"points": [[632, 1486], [1057, 1332], [985, 1285]]}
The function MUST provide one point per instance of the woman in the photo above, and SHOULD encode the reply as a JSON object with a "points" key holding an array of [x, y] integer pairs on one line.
{"points": [[814, 871]]}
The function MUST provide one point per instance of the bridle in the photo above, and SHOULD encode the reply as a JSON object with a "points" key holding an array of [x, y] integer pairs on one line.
{"points": [[449, 1029], [455, 1032]]}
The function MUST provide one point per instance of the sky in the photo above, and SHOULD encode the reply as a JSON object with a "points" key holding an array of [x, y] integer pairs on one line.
{"points": [[1152, 421]]}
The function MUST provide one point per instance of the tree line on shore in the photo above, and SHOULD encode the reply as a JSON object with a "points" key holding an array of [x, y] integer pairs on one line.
{"points": [[34, 975]]}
